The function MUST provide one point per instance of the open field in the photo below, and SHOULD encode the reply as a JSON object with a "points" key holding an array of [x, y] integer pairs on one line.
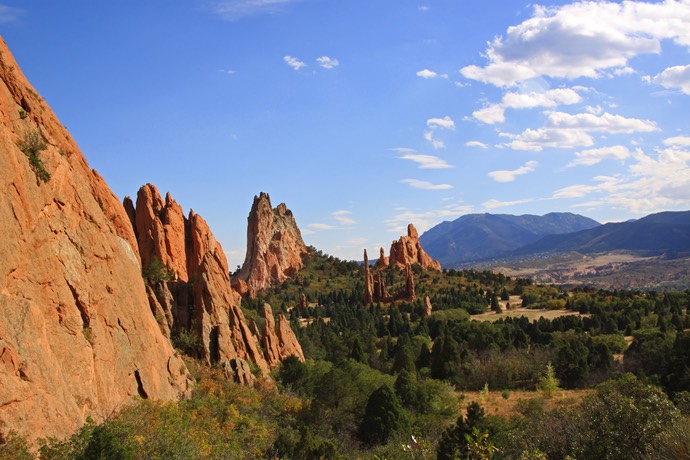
{"points": [[531, 314], [511, 402]]}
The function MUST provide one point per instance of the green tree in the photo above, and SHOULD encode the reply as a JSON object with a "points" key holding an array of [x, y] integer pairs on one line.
{"points": [[407, 389], [548, 383], [383, 417], [624, 419], [454, 441]]}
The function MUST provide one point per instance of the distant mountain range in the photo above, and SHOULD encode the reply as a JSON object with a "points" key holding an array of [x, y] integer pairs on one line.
{"points": [[484, 236], [478, 237]]}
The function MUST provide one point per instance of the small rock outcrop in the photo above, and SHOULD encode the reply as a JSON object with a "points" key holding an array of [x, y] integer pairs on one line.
{"points": [[275, 249], [408, 251], [368, 281], [409, 284], [77, 337], [383, 260], [428, 308], [279, 342]]}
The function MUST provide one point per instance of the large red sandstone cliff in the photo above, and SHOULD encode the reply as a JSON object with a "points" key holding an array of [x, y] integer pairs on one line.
{"points": [[275, 248], [77, 337]]}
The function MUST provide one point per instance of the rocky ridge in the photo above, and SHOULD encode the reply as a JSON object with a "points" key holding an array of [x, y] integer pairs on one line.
{"points": [[77, 338], [199, 299], [275, 249]]}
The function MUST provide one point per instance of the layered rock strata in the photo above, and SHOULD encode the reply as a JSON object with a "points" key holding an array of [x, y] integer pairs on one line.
{"points": [[77, 337]]}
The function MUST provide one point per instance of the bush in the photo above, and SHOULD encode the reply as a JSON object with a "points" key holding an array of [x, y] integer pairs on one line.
{"points": [[31, 145], [157, 271]]}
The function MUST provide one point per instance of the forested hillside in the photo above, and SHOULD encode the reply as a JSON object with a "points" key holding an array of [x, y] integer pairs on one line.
{"points": [[606, 376]]}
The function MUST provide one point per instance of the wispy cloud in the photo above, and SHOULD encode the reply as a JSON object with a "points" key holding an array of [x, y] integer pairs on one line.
{"points": [[678, 141], [493, 204], [591, 157], [424, 220], [319, 226], [652, 182], [564, 130], [233, 10], [509, 176], [426, 161], [445, 122], [434, 124], [9, 14], [424, 185], [343, 217], [478, 144], [495, 113], [293, 62], [327, 62]]}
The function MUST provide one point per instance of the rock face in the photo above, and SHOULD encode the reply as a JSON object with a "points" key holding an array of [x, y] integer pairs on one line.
{"points": [[275, 248], [77, 337], [408, 251], [279, 342], [201, 300]]}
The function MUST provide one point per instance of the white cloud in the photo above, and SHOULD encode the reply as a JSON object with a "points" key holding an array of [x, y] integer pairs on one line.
{"points": [[424, 220], [318, 226], [678, 141], [426, 73], [674, 77], [424, 8], [493, 204], [424, 185], [237, 9], [605, 122], [582, 39], [343, 217], [481, 145], [445, 122], [327, 62], [435, 143], [495, 113], [9, 14], [492, 114], [509, 176], [593, 156], [293, 62], [434, 124], [652, 182], [426, 161], [564, 130], [536, 140]]}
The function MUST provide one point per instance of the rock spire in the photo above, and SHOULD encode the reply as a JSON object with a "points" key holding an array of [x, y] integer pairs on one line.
{"points": [[275, 248]]}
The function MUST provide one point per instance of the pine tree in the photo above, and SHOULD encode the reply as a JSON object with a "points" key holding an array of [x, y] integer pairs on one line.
{"points": [[383, 417]]}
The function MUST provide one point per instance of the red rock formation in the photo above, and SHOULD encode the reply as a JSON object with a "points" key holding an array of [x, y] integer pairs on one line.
{"points": [[381, 293], [428, 308], [408, 250], [77, 337], [288, 344], [160, 228], [409, 284], [224, 334], [275, 248], [368, 282], [279, 343], [383, 262]]}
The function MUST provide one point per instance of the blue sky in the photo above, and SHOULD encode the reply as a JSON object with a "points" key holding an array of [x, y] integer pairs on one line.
{"points": [[365, 116]]}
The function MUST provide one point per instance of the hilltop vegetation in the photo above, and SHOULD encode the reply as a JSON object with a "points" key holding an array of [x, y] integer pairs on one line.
{"points": [[389, 380]]}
